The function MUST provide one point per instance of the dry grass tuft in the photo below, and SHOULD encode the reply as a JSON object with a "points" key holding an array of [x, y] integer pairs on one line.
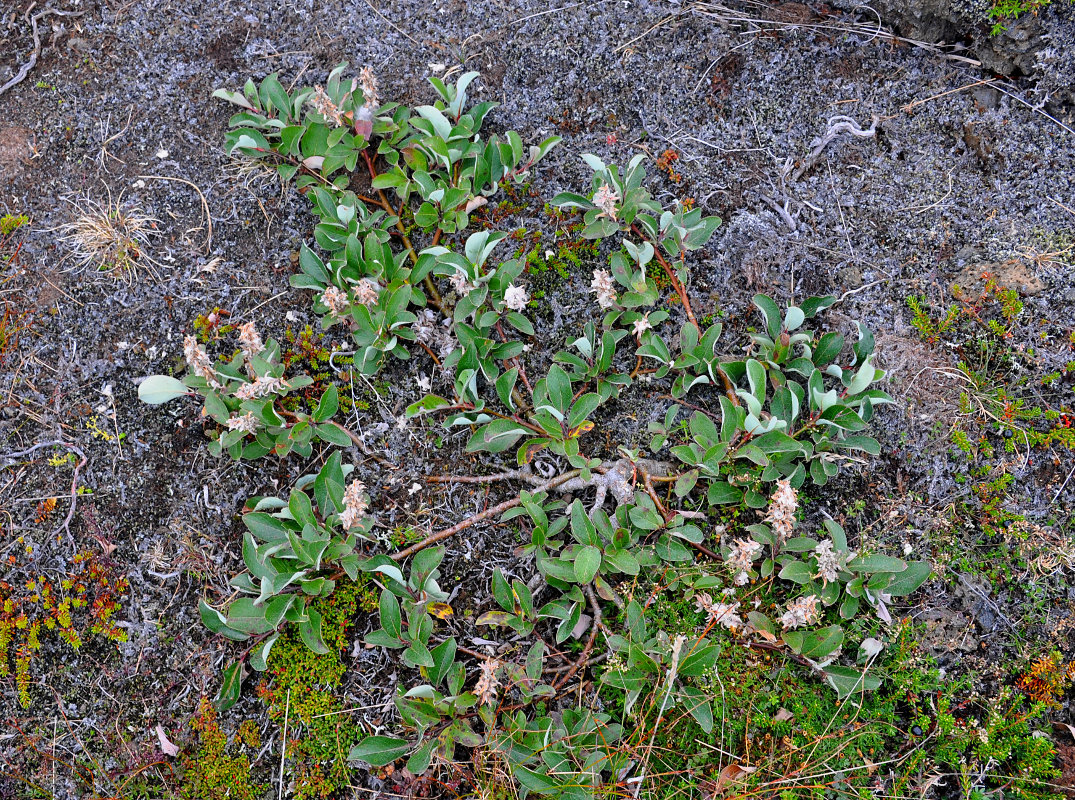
{"points": [[107, 237]]}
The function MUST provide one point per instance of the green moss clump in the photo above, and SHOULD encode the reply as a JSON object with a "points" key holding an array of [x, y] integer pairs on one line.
{"points": [[9, 223], [212, 773], [301, 688]]}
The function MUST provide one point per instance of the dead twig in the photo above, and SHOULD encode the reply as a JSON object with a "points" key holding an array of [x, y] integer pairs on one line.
{"points": [[907, 108], [837, 125], [1066, 208], [489, 512], [361, 445], [205, 205], [1035, 109], [392, 25], [24, 70], [585, 654]]}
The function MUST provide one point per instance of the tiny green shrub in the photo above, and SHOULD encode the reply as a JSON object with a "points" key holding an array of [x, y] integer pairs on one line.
{"points": [[212, 773], [784, 417]]}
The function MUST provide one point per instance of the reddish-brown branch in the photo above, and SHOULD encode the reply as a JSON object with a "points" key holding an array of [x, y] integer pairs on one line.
{"points": [[434, 295], [671, 273], [520, 401], [595, 625], [432, 355], [486, 514]]}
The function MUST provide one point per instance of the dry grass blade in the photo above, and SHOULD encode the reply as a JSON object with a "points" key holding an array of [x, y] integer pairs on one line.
{"points": [[108, 238], [201, 196]]}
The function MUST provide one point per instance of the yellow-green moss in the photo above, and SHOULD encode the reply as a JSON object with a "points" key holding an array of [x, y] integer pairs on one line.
{"points": [[212, 773], [301, 686]]}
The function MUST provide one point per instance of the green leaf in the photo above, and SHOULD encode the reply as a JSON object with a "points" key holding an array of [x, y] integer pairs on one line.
{"points": [[685, 483], [822, 643], [622, 561], [796, 571], [847, 681], [800, 544], [558, 386], [390, 570], [756, 377], [520, 323], [504, 385], [266, 527], [534, 660], [904, 583], [722, 493], [419, 761], [771, 312], [259, 656], [866, 444], [418, 655], [587, 563], [582, 409], [233, 97], [329, 405], [839, 538], [827, 350], [310, 633], [582, 527], [697, 703], [812, 305], [864, 346], [427, 404], [391, 619], [496, 436], [157, 389], [426, 216], [231, 688], [443, 658], [698, 662], [246, 617], [535, 781], [849, 607], [862, 379], [277, 607], [274, 94], [793, 318], [379, 751], [332, 434], [211, 618], [423, 566], [571, 200], [301, 508], [877, 563]]}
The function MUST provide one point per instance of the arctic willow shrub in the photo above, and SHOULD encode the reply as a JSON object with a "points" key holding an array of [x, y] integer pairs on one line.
{"points": [[294, 550], [788, 412], [433, 160], [244, 396], [570, 753]]}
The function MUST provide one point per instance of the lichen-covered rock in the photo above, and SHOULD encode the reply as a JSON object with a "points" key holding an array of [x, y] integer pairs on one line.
{"points": [[1035, 44]]}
